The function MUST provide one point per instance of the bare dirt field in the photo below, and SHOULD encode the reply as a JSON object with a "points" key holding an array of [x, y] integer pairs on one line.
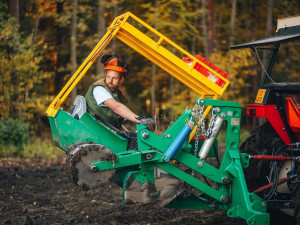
{"points": [[38, 191]]}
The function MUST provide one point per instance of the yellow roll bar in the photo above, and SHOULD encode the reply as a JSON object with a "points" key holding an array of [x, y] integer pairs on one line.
{"points": [[124, 28]]}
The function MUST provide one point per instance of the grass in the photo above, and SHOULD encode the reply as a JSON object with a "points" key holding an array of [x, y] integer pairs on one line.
{"points": [[37, 147], [42, 148]]}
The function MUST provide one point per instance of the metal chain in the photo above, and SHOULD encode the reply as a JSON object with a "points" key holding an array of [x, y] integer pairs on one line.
{"points": [[198, 116], [211, 123]]}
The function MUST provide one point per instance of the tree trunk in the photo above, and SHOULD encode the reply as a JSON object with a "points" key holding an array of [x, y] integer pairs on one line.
{"points": [[14, 95], [220, 22], [194, 38], [153, 74], [232, 22], [59, 37], [171, 77], [268, 33], [101, 32], [268, 26], [255, 77], [14, 10], [204, 29], [114, 44], [211, 27], [73, 46], [153, 96], [232, 31]]}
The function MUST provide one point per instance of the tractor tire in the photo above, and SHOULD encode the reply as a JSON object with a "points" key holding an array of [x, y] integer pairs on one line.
{"points": [[263, 141]]}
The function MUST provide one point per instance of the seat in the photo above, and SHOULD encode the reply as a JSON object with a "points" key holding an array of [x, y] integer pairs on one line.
{"points": [[79, 107]]}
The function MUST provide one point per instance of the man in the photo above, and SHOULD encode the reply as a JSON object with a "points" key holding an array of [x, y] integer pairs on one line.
{"points": [[105, 100]]}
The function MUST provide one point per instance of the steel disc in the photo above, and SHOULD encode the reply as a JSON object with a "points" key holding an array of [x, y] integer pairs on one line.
{"points": [[78, 165]]}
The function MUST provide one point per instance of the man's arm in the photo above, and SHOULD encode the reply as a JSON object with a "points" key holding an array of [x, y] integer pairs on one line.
{"points": [[121, 110]]}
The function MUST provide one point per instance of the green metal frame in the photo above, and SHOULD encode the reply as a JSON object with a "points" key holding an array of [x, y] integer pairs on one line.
{"points": [[230, 191], [231, 196]]}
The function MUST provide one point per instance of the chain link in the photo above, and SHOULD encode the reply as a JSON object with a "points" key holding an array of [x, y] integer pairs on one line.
{"points": [[198, 113], [211, 123], [199, 119], [199, 116]]}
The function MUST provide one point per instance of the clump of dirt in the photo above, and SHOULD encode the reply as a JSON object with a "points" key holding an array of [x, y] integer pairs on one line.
{"points": [[38, 191]]}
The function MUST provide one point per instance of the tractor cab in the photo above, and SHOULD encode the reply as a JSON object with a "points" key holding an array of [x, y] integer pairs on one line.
{"points": [[278, 99]]}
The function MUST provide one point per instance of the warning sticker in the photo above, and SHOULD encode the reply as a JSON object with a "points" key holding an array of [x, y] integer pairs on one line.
{"points": [[235, 121], [260, 95]]}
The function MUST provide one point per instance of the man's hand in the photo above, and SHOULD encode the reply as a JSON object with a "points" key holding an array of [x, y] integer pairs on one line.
{"points": [[149, 122]]}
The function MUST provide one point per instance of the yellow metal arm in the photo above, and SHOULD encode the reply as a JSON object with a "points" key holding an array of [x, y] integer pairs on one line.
{"points": [[124, 28]]}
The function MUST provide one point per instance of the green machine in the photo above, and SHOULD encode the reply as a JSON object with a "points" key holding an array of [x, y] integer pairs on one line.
{"points": [[168, 170], [152, 174]]}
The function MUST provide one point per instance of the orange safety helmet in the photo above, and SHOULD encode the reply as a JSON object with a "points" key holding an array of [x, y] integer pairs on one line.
{"points": [[114, 62]]}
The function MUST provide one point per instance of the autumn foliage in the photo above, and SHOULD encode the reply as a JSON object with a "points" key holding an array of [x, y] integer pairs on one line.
{"points": [[37, 59]]}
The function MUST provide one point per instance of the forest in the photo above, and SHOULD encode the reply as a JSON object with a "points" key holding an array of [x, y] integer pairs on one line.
{"points": [[42, 43]]}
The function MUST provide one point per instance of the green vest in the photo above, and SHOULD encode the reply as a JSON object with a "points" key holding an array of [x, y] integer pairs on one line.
{"points": [[105, 113]]}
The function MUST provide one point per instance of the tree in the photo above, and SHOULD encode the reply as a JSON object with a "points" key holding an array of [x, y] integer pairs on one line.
{"points": [[19, 58], [211, 27], [204, 29], [73, 46], [101, 32]]}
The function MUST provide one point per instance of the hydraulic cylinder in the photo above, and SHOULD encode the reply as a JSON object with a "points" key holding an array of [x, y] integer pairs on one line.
{"points": [[177, 143], [203, 153]]}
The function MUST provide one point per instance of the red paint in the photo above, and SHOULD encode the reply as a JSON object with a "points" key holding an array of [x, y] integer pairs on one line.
{"points": [[205, 71], [268, 186], [272, 115], [271, 157]]}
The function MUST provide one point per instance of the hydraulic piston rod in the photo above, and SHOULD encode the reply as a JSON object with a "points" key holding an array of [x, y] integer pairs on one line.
{"points": [[211, 138], [177, 143]]}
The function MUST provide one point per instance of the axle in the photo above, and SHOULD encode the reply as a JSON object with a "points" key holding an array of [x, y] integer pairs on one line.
{"points": [[268, 186], [270, 157]]}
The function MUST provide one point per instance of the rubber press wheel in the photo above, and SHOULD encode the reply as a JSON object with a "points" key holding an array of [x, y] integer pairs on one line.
{"points": [[262, 141]]}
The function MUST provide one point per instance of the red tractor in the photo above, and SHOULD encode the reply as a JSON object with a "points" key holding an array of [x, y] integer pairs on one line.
{"points": [[277, 179]]}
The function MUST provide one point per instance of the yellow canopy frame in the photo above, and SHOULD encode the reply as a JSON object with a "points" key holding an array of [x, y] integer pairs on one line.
{"points": [[125, 29]]}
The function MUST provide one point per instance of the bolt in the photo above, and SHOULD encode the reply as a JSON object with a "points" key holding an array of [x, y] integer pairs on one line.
{"points": [[217, 109], [148, 156], [224, 199], [200, 164], [225, 180], [283, 128], [202, 101], [223, 114], [263, 204], [166, 159], [94, 168], [145, 135], [213, 205]]}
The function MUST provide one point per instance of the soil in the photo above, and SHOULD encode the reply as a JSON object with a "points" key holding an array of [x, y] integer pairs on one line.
{"points": [[38, 191]]}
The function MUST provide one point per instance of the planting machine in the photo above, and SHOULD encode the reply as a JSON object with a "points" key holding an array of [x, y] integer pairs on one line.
{"points": [[175, 169]]}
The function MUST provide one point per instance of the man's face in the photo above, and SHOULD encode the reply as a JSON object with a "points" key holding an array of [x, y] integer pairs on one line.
{"points": [[113, 80]]}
